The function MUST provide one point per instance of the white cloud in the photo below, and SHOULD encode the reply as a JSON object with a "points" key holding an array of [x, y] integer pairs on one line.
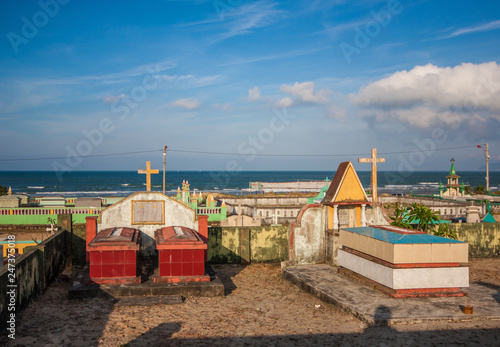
{"points": [[223, 107], [462, 86], [465, 97], [305, 92], [474, 29], [112, 99], [187, 103], [192, 81], [337, 112], [250, 16], [254, 94], [285, 102]]}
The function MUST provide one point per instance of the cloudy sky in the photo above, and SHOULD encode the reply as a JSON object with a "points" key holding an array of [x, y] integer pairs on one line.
{"points": [[252, 85]]}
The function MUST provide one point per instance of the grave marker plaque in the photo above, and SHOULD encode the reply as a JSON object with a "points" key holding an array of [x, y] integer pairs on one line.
{"points": [[343, 216], [148, 212]]}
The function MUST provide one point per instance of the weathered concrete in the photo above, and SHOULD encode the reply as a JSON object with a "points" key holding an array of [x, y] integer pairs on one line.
{"points": [[80, 290], [241, 221], [120, 215], [311, 242], [156, 300], [483, 238], [265, 201], [308, 236], [33, 271], [88, 202], [230, 245], [9, 201], [375, 308]]}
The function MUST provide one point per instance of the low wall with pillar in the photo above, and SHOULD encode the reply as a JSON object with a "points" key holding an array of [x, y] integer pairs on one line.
{"points": [[31, 273]]}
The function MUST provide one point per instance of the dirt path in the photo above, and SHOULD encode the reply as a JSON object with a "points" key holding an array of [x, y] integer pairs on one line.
{"points": [[259, 308]]}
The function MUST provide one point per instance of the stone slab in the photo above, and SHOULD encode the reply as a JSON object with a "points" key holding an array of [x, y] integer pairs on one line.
{"points": [[80, 290], [376, 308], [405, 278], [156, 300]]}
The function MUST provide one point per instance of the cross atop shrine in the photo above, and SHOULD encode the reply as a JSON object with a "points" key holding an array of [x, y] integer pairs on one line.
{"points": [[374, 160], [148, 173], [275, 218]]}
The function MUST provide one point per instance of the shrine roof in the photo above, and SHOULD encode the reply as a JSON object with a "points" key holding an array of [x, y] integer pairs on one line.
{"points": [[345, 176], [117, 237], [399, 235], [177, 235]]}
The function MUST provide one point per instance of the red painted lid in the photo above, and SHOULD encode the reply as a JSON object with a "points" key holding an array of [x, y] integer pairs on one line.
{"points": [[177, 235], [121, 238]]}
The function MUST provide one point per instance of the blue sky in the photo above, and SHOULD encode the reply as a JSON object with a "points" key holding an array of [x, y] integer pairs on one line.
{"points": [[254, 78]]}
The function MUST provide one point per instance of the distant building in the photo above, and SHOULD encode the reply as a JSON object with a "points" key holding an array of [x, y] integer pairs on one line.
{"points": [[452, 188]]}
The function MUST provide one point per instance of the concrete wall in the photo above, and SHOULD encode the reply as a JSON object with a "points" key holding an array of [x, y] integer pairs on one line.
{"points": [[251, 244], [309, 236], [483, 238], [240, 221], [34, 270], [120, 215], [240, 209], [78, 244], [268, 200], [311, 241]]}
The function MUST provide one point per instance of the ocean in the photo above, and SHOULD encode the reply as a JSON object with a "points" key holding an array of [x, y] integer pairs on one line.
{"points": [[124, 183]]}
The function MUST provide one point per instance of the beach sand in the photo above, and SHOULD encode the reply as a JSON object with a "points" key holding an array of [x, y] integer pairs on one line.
{"points": [[259, 308]]}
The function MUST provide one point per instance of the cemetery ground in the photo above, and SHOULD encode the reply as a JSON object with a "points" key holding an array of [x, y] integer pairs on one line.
{"points": [[259, 308]]}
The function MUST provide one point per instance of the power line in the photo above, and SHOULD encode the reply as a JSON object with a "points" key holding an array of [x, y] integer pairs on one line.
{"points": [[85, 156], [242, 154], [316, 155]]}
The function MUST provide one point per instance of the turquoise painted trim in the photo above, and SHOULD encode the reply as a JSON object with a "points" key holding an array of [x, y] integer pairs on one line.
{"points": [[397, 238]]}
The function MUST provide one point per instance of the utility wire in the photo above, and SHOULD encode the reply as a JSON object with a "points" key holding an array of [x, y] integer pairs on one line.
{"points": [[244, 154], [85, 156]]}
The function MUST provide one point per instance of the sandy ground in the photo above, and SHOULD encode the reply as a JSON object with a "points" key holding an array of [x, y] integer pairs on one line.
{"points": [[259, 309]]}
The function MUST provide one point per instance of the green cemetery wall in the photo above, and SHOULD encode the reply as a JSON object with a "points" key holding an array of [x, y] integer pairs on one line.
{"points": [[483, 238], [229, 245]]}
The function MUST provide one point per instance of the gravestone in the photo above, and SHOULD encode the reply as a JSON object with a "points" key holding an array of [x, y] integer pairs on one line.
{"points": [[404, 263], [113, 256], [181, 254], [148, 212]]}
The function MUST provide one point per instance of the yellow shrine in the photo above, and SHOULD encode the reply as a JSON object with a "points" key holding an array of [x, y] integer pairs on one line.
{"points": [[346, 199]]}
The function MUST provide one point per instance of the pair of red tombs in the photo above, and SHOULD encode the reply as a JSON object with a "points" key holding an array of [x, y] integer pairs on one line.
{"points": [[113, 252]]}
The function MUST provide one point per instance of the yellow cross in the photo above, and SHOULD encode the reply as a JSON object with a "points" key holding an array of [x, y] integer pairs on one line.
{"points": [[374, 160], [148, 173]]}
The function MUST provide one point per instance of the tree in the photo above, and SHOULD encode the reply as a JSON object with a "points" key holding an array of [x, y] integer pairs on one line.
{"points": [[467, 190], [479, 189], [444, 231], [424, 215], [3, 190], [400, 218]]}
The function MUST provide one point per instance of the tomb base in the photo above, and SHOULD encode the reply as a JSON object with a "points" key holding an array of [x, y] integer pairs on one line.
{"points": [[401, 293], [114, 280], [403, 280], [178, 279]]}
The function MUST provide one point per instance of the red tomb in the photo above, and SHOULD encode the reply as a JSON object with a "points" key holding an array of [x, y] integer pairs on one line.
{"points": [[113, 256], [181, 255]]}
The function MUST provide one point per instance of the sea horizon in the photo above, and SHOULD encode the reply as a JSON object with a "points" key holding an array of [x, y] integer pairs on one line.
{"points": [[126, 182]]}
